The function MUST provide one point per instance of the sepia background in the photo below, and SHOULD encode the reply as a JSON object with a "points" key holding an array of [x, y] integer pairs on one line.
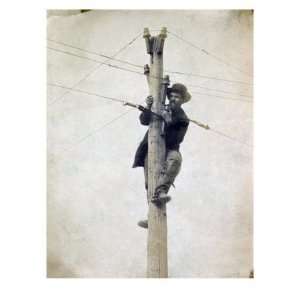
{"points": [[95, 198]]}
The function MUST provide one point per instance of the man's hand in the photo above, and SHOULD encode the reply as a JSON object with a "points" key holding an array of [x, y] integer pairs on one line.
{"points": [[167, 116], [149, 101]]}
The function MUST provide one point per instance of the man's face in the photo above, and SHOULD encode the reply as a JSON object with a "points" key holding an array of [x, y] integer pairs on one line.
{"points": [[175, 100]]}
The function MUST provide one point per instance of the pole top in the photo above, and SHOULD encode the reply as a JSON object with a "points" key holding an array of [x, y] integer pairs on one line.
{"points": [[146, 33], [166, 80], [163, 32]]}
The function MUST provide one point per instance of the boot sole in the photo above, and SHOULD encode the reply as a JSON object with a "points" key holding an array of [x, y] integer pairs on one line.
{"points": [[142, 225]]}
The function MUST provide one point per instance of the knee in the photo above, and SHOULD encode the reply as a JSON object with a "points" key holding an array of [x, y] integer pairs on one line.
{"points": [[174, 157], [174, 161]]}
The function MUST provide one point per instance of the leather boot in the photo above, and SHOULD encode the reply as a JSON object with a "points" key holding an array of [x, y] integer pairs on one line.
{"points": [[143, 224]]}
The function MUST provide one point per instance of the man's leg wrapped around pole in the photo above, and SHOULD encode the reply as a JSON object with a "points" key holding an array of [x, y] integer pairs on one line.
{"points": [[144, 223], [146, 174], [169, 172]]}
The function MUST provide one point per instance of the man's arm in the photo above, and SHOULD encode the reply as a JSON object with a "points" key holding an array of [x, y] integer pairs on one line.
{"points": [[145, 116]]}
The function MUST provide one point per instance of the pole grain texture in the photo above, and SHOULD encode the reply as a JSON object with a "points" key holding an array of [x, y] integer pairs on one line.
{"points": [[157, 249]]}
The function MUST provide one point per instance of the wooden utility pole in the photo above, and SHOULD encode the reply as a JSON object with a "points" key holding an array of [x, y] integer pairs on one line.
{"points": [[157, 258]]}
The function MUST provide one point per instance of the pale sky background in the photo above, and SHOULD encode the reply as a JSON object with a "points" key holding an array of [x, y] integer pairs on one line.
{"points": [[95, 198]]}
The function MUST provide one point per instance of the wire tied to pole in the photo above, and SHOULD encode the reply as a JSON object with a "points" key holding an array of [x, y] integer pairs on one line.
{"points": [[205, 126]]}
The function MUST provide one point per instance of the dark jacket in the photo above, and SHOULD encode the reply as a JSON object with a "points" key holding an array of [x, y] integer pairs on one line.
{"points": [[175, 133]]}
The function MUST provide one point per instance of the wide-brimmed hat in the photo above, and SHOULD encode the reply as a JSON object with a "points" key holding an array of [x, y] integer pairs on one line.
{"points": [[180, 89]]}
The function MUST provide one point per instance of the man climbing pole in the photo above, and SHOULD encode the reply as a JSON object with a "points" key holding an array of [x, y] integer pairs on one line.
{"points": [[175, 127]]}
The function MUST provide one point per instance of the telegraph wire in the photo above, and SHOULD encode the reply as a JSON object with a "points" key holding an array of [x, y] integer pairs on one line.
{"points": [[202, 50], [208, 77], [140, 73], [92, 71], [123, 114], [230, 137], [86, 92], [97, 53], [136, 65], [221, 97], [97, 130], [217, 90], [128, 70], [94, 60]]}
